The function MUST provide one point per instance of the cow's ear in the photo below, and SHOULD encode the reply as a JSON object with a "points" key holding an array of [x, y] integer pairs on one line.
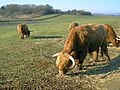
{"points": [[73, 54]]}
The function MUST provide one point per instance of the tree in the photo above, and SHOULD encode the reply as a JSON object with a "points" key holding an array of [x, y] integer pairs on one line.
{"points": [[78, 12], [15, 9]]}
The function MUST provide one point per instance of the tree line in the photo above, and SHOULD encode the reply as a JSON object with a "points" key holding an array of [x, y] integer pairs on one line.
{"points": [[16, 9], [78, 12]]}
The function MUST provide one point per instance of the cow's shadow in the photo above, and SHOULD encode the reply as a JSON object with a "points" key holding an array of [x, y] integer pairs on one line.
{"points": [[41, 37], [112, 65]]}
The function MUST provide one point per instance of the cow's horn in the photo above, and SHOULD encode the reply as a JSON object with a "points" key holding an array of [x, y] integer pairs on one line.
{"points": [[31, 31], [110, 44], [73, 62], [117, 38], [55, 55], [45, 54]]}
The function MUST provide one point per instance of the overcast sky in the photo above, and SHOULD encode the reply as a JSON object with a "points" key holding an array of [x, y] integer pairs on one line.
{"points": [[94, 6]]}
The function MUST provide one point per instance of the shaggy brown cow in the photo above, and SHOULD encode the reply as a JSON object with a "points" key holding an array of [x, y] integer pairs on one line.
{"points": [[81, 40], [111, 36], [23, 30]]}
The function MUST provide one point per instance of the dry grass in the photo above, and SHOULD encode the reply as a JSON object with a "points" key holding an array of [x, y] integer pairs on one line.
{"points": [[23, 66]]}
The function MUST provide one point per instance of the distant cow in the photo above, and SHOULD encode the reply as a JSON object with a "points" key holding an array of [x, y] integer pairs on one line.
{"points": [[81, 40], [23, 30]]}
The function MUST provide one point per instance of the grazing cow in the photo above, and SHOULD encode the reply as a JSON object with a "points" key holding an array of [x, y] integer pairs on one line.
{"points": [[81, 40], [111, 36], [23, 30]]}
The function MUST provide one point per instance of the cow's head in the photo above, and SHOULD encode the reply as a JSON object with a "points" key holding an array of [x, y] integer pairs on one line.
{"points": [[64, 62], [115, 42], [28, 32]]}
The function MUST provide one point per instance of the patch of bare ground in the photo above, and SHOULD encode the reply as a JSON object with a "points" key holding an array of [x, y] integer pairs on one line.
{"points": [[105, 75], [100, 75]]}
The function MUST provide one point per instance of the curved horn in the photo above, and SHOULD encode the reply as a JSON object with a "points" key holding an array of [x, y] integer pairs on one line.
{"points": [[73, 62], [110, 44], [55, 55], [45, 54], [31, 31], [117, 38]]}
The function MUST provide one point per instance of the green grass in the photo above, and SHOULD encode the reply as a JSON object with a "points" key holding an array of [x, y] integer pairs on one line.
{"points": [[23, 67]]}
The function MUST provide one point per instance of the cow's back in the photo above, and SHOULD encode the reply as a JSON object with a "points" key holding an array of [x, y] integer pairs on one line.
{"points": [[19, 26], [91, 36], [72, 25], [24, 29]]}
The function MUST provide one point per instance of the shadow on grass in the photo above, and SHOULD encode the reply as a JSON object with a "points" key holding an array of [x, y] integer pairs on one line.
{"points": [[40, 37], [113, 65]]}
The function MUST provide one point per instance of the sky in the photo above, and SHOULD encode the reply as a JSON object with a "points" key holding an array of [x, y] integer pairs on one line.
{"points": [[94, 6]]}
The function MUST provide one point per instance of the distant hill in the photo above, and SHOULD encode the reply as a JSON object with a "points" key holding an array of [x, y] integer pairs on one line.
{"points": [[114, 14], [117, 14]]}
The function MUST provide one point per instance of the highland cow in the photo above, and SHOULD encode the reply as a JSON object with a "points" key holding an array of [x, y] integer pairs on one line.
{"points": [[111, 36], [23, 30], [81, 40]]}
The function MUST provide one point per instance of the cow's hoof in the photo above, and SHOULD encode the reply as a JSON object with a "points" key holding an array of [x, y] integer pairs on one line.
{"points": [[79, 68]]}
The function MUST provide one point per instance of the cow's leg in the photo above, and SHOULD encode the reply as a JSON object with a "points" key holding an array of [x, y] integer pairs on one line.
{"points": [[91, 57], [80, 65], [105, 50], [22, 36], [81, 59], [95, 55], [101, 53]]}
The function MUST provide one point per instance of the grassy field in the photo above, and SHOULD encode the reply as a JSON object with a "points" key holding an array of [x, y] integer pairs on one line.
{"points": [[23, 66]]}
